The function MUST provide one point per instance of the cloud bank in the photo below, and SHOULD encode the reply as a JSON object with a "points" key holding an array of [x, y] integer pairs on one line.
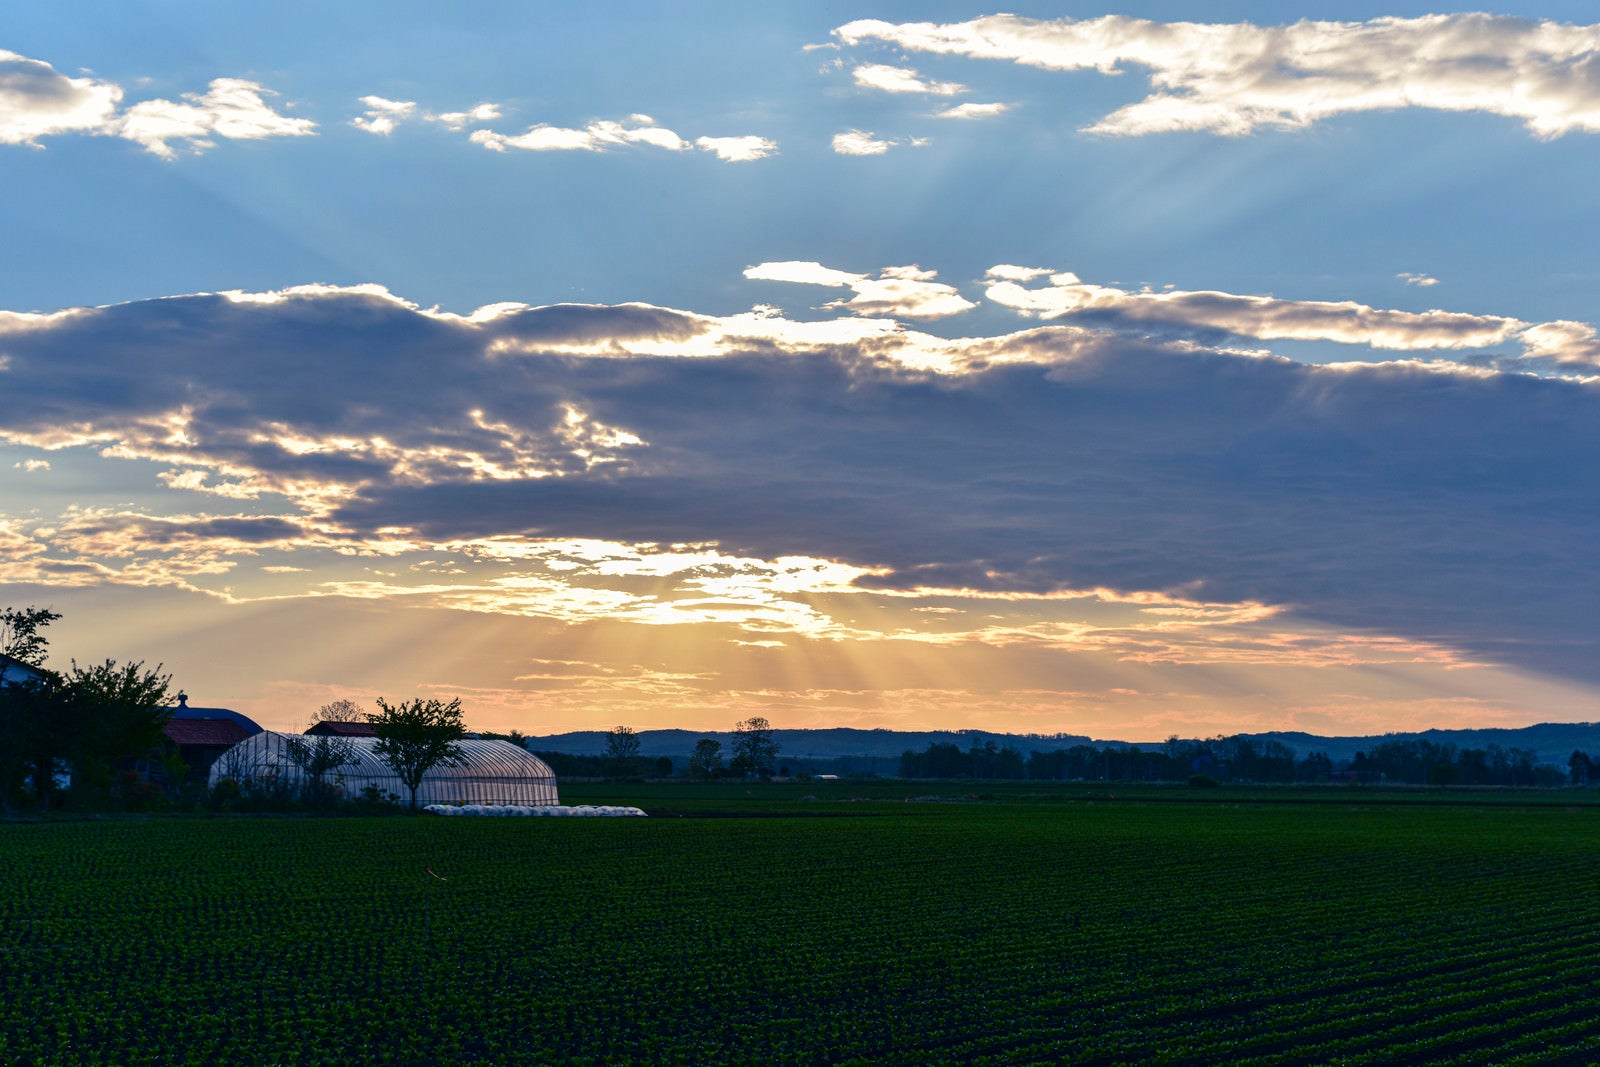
{"points": [[1236, 78], [1450, 508]]}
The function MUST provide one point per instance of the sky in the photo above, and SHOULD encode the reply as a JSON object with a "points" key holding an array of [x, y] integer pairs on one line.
{"points": [[1123, 371]]}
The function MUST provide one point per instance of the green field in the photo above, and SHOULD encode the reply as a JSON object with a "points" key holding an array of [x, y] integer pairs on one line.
{"points": [[1020, 926]]}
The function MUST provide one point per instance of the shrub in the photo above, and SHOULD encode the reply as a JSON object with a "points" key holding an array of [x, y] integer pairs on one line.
{"points": [[224, 796], [374, 801]]}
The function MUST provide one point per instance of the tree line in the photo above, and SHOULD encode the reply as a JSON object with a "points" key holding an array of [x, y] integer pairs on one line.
{"points": [[1239, 758], [754, 755]]}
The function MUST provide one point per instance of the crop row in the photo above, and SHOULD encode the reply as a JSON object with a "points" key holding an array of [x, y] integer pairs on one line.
{"points": [[922, 934]]}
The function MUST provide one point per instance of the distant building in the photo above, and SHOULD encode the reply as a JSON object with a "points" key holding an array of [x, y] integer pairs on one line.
{"points": [[199, 736], [332, 728], [184, 711], [200, 741], [15, 672]]}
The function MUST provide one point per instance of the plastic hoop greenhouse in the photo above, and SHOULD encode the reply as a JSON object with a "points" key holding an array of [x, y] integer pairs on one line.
{"points": [[492, 772]]}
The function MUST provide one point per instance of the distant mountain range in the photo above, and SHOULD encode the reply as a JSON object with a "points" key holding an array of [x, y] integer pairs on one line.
{"points": [[1551, 742]]}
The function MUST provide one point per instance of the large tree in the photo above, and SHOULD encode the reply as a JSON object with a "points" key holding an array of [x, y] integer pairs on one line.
{"points": [[417, 735], [755, 748], [27, 697], [622, 751], [342, 710], [29, 713], [111, 713], [88, 718], [706, 760]]}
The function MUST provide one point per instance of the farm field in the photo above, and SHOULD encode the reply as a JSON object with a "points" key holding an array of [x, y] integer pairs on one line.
{"points": [[1037, 926]]}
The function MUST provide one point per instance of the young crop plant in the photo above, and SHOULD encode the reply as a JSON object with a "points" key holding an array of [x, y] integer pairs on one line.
{"points": [[891, 933]]}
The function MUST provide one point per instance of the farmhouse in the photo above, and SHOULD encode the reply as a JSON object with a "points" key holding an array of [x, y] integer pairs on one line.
{"points": [[199, 736], [493, 772], [244, 722], [15, 672], [333, 728]]}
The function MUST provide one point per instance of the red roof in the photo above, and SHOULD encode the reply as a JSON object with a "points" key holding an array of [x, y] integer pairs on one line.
{"points": [[220, 732], [344, 729]]}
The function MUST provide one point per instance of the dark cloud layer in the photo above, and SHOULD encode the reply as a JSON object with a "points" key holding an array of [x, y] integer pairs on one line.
{"points": [[1452, 506]]}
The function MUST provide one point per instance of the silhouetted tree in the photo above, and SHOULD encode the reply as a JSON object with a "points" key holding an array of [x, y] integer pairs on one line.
{"points": [[622, 751], [755, 749], [706, 759], [26, 697], [416, 736], [22, 637], [341, 710], [110, 713], [1315, 767], [316, 756]]}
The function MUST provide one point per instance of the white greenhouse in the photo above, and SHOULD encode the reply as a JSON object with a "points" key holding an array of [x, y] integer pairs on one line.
{"points": [[492, 772]]}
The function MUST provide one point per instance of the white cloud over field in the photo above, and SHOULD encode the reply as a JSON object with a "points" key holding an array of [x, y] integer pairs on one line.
{"points": [[604, 134], [860, 143], [1236, 78], [745, 149], [38, 102], [898, 292], [383, 115], [971, 111], [902, 80], [231, 108]]}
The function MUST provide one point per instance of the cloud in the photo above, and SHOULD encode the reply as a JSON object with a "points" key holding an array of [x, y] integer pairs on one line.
{"points": [[382, 115], [121, 534], [36, 101], [860, 143], [906, 293], [31, 466], [596, 137], [973, 111], [1570, 344], [460, 120], [600, 136], [899, 292], [745, 149], [1011, 272], [1412, 278], [231, 107], [1235, 78], [902, 80], [780, 479], [1566, 344], [803, 273]]}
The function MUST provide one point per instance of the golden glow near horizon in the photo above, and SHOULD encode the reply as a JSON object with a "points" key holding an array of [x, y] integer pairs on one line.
{"points": [[572, 633]]}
